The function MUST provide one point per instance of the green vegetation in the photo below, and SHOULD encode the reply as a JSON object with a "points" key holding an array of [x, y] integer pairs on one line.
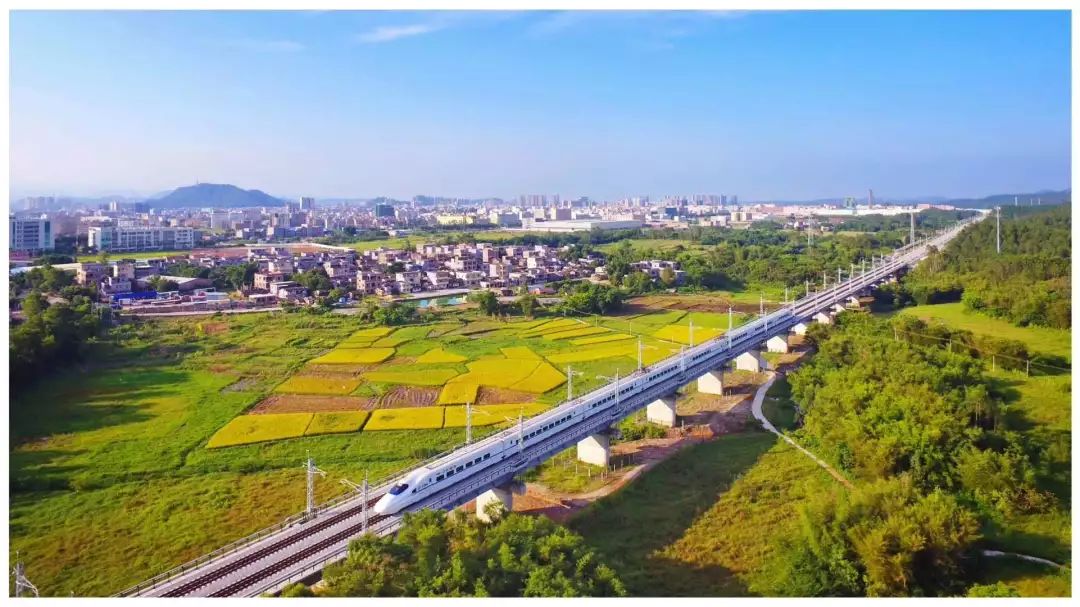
{"points": [[436, 554], [50, 335], [1027, 284], [778, 406], [941, 468], [1046, 340], [355, 355], [700, 520]]}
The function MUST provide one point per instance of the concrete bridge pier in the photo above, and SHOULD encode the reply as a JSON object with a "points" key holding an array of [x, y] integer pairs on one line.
{"points": [[799, 329], [595, 449], [503, 495], [662, 410], [778, 343], [750, 360], [710, 383], [823, 318]]}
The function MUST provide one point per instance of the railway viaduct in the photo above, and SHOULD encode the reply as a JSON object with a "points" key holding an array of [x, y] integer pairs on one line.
{"points": [[299, 547]]}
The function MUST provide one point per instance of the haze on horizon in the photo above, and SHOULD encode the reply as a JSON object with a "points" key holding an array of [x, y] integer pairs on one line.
{"points": [[783, 105]]}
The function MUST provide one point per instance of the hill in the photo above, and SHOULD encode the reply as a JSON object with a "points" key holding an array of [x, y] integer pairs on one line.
{"points": [[215, 195], [1045, 197]]}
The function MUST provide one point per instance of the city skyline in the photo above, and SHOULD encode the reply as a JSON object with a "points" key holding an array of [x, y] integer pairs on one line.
{"points": [[792, 105]]}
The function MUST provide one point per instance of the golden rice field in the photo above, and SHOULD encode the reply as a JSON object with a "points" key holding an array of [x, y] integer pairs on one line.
{"points": [[457, 393], [439, 355], [412, 418], [523, 356], [303, 384], [247, 429], [411, 376], [337, 422]]}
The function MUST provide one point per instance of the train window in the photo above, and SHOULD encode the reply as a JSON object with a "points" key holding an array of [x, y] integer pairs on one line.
{"points": [[487, 455], [398, 489], [477, 460], [468, 464], [440, 477], [460, 468], [449, 473]]}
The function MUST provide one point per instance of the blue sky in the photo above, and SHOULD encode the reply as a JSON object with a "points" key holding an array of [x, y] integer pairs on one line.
{"points": [[766, 105]]}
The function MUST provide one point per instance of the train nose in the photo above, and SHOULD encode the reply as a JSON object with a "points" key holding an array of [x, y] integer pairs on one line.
{"points": [[383, 505]]}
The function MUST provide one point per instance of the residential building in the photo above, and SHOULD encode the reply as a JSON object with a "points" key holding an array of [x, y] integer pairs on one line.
{"points": [[31, 234]]}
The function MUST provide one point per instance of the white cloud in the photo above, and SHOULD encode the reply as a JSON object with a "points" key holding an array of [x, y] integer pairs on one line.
{"points": [[387, 33]]}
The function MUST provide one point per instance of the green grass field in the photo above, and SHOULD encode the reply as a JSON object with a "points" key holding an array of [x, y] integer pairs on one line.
{"points": [[1038, 339], [699, 523], [136, 256]]}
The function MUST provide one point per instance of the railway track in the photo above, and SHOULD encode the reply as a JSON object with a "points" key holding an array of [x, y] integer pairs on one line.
{"points": [[238, 564], [296, 557]]}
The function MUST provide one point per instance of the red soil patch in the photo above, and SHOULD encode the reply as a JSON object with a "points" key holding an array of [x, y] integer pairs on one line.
{"points": [[408, 396], [499, 396]]}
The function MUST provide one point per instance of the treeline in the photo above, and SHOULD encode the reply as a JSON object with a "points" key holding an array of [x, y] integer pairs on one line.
{"points": [[436, 554], [233, 277], [50, 334], [753, 257], [921, 432], [1027, 284]]}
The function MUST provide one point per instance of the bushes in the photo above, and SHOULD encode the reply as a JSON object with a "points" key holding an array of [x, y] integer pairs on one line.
{"points": [[436, 554]]}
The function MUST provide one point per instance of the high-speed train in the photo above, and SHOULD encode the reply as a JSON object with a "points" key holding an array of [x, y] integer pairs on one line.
{"points": [[468, 461]]}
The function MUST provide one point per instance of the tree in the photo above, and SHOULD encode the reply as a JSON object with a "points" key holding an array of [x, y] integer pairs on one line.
{"points": [[487, 302], [528, 303], [667, 277], [436, 554]]}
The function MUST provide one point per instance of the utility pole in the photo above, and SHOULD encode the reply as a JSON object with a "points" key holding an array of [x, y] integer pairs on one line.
{"points": [[912, 241], [730, 319], [785, 295], [999, 230], [22, 584], [807, 287], [362, 489], [838, 279], [311, 472], [691, 332], [824, 279], [570, 373], [468, 423], [639, 354], [761, 304]]}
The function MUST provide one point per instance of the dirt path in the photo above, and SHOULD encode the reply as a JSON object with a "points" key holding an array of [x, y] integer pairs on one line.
{"points": [[759, 398]]}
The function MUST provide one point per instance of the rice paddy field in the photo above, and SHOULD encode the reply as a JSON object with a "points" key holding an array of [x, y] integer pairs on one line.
{"points": [[182, 435]]}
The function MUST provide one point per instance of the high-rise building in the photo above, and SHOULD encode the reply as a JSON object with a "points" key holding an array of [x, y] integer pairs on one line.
{"points": [[307, 203], [30, 234], [384, 210]]}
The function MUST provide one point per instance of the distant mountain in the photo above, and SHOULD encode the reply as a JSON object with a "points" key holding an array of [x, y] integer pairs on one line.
{"points": [[221, 195], [1043, 197], [1047, 197]]}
